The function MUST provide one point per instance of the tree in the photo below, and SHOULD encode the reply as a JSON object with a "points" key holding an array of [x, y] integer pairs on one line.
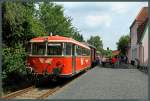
{"points": [[53, 18], [97, 42], [122, 44], [77, 36], [13, 60], [21, 21], [108, 52], [19, 24]]}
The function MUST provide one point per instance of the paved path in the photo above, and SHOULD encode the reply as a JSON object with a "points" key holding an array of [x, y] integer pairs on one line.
{"points": [[106, 83]]}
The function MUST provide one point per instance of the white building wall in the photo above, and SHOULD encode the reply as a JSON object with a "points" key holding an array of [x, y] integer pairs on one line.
{"points": [[134, 46], [145, 47]]}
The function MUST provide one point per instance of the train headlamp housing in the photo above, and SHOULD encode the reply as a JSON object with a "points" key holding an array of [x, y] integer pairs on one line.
{"points": [[29, 69]]}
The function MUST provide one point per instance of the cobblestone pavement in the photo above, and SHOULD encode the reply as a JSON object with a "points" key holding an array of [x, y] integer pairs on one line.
{"points": [[106, 83]]}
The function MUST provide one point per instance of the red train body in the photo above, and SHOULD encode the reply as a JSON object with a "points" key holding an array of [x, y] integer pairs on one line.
{"points": [[57, 55]]}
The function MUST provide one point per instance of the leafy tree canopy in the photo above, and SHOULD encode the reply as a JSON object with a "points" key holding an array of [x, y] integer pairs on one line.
{"points": [[122, 44], [53, 18], [19, 24], [77, 36], [96, 41], [23, 21]]}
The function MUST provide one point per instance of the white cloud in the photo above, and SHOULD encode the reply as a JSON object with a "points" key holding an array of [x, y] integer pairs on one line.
{"points": [[117, 7], [98, 20], [121, 7], [124, 7], [109, 20], [70, 5]]}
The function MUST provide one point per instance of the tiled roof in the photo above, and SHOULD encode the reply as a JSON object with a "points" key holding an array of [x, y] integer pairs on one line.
{"points": [[143, 14], [141, 17], [115, 52]]}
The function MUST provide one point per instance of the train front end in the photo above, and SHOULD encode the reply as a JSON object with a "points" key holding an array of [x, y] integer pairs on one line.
{"points": [[49, 58]]}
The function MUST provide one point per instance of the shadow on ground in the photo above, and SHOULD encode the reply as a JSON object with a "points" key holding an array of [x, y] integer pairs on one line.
{"points": [[119, 66]]}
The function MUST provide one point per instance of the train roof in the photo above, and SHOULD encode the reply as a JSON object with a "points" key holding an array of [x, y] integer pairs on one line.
{"points": [[89, 45], [57, 38]]}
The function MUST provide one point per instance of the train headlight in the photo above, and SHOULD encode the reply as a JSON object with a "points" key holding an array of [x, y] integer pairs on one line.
{"points": [[29, 69]]}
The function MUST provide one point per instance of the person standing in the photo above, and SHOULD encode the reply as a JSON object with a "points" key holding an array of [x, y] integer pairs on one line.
{"points": [[103, 61], [126, 59], [97, 60], [113, 61]]}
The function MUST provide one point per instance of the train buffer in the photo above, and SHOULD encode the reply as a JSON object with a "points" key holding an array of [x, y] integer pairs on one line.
{"points": [[106, 83]]}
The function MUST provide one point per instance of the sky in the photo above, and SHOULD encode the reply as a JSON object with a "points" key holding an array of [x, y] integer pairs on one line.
{"points": [[109, 20]]}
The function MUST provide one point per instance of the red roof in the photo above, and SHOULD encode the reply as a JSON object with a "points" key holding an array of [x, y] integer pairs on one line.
{"points": [[57, 39], [115, 52], [143, 14], [50, 38], [141, 17]]}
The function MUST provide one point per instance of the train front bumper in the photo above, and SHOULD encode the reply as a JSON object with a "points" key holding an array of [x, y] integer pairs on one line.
{"points": [[55, 71]]}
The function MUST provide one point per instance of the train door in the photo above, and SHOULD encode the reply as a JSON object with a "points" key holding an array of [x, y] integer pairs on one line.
{"points": [[92, 55], [73, 59]]}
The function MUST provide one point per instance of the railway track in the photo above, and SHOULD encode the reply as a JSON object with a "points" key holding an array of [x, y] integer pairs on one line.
{"points": [[37, 93], [14, 94], [34, 92]]}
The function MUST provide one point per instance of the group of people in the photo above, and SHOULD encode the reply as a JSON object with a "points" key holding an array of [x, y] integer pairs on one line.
{"points": [[115, 61]]}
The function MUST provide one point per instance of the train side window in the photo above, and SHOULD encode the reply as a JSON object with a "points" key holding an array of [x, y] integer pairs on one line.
{"points": [[84, 52], [78, 50], [68, 48], [88, 52]]}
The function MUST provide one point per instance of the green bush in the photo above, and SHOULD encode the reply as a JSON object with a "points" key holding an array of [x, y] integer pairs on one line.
{"points": [[13, 60]]}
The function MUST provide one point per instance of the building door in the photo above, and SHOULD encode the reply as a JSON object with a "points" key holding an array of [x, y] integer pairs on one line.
{"points": [[134, 55]]}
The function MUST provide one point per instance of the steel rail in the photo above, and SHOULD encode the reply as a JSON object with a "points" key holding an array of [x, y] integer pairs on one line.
{"points": [[14, 94]]}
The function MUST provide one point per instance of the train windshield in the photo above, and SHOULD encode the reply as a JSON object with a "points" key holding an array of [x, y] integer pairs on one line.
{"points": [[38, 49], [54, 49]]}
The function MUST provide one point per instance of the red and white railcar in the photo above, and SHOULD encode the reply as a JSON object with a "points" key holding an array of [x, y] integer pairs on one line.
{"points": [[57, 55]]}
